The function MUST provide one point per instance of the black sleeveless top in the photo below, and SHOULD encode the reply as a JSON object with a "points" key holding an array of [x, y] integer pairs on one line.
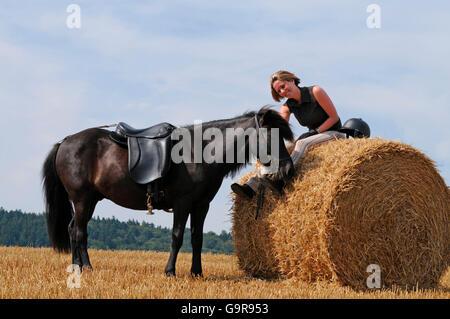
{"points": [[309, 113]]}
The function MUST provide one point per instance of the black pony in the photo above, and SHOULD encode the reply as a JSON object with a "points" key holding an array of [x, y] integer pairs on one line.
{"points": [[88, 166]]}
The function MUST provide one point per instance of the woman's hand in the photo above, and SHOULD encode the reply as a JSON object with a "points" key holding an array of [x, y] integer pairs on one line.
{"points": [[308, 134]]}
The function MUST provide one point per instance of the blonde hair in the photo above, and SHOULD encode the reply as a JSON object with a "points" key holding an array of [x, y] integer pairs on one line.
{"points": [[282, 76]]}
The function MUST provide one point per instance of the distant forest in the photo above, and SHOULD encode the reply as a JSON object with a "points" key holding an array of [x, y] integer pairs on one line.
{"points": [[29, 229]]}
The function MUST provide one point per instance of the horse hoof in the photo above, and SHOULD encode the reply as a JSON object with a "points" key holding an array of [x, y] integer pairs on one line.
{"points": [[88, 268], [196, 275], [170, 274]]}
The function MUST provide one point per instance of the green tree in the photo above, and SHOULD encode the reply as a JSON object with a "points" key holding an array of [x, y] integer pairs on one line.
{"points": [[29, 229]]}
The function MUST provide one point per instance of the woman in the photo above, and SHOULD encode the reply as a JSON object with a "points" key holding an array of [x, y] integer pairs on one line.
{"points": [[313, 108]]}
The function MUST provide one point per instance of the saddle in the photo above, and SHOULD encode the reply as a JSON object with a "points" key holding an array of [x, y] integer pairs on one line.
{"points": [[148, 157]]}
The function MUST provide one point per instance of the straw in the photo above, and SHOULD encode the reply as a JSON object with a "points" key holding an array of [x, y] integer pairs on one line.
{"points": [[351, 203]]}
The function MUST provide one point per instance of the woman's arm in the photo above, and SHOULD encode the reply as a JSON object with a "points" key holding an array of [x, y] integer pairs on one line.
{"points": [[324, 100], [285, 113]]}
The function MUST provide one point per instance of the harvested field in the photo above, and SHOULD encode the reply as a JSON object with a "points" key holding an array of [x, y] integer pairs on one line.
{"points": [[41, 273]]}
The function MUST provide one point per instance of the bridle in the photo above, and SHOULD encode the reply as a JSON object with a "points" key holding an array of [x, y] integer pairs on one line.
{"points": [[258, 127], [262, 189]]}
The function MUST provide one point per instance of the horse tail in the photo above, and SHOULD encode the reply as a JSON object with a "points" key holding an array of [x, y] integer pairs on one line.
{"points": [[58, 208]]}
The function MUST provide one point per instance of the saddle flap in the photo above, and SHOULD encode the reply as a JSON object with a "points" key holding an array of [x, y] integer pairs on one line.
{"points": [[148, 159], [148, 150]]}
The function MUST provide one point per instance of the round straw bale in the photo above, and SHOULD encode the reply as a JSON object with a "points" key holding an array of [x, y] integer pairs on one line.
{"points": [[352, 203]]}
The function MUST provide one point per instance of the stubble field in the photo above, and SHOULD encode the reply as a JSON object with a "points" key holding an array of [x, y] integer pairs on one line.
{"points": [[42, 273]]}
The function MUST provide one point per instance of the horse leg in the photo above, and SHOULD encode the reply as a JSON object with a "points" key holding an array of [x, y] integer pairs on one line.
{"points": [[197, 221], [78, 232], [180, 217]]}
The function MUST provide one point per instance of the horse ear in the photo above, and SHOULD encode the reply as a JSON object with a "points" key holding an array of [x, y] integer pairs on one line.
{"points": [[266, 119], [272, 118]]}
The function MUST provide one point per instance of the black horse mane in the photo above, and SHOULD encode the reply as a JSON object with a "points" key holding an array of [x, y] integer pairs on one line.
{"points": [[274, 119], [269, 118]]}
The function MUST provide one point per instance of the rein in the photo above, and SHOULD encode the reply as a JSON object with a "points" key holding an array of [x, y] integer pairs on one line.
{"points": [[262, 189]]}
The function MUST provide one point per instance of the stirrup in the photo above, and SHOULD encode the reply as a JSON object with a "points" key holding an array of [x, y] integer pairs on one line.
{"points": [[278, 189]]}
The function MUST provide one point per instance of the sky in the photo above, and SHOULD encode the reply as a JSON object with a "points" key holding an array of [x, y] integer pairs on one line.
{"points": [[146, 62]]}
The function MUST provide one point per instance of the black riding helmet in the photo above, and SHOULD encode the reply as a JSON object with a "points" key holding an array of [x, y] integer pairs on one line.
{"points": [[356, 128]]}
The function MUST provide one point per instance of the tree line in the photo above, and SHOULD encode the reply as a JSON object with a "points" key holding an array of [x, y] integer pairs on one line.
{"points": [[30, 229]]}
